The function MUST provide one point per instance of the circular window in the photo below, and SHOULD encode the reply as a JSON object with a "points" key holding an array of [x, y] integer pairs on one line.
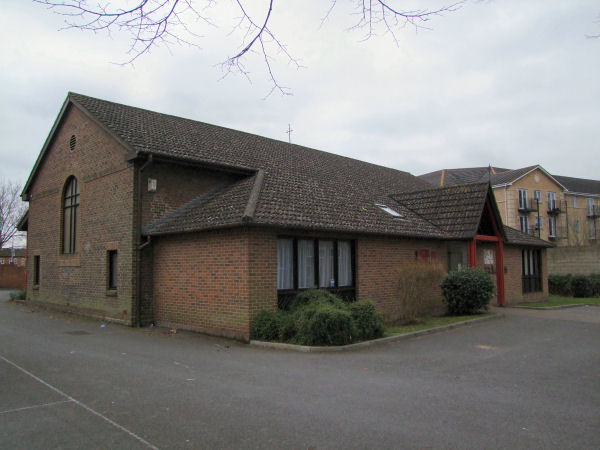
{"points": [[72, 142]]}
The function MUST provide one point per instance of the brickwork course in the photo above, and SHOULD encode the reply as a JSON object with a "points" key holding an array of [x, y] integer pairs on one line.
{"points": [[191, 215]]}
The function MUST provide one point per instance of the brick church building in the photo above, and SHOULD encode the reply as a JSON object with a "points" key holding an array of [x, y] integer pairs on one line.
{"points": [[140, 217]]}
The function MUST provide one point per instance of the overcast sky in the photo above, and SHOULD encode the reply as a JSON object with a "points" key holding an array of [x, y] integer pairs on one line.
{"points": [[506, 82]]}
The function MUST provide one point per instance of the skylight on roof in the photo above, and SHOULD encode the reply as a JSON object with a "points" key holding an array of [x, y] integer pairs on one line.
{"points": [[389, 210]]}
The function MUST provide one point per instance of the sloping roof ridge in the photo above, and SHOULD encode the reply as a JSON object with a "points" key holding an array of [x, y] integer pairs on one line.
{"points": [[442, 188], [240, 132], [456, 187], [432, 190], [518, 174], [531, 240], [568, 180]]}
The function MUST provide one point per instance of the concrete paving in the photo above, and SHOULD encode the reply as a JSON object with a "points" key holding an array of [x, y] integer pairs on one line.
{"points": [[529, 380]]}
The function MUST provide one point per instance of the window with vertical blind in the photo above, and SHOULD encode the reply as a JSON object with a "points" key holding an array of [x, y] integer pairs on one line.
{"points": [[304, 263]]}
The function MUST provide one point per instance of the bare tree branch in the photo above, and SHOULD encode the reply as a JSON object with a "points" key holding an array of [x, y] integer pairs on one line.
{"points": [[11, 210], [152, 23]]}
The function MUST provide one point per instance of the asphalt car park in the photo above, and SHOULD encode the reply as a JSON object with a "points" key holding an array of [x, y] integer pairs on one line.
{"points": [[527, 380]]}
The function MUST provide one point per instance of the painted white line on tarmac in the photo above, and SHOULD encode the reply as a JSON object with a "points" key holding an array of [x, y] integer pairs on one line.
{"points": [[82, 405], [25, 408]]}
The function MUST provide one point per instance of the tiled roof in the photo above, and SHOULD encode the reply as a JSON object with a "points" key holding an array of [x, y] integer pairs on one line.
{"points": [[516, 237], [288, 185], [579, 185], [302, 187], [510, 176], [456, 209], [453, 177]]}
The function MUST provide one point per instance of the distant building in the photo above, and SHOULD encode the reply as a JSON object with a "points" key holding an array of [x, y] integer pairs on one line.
{"points": [[14, 256], [563, 210]]}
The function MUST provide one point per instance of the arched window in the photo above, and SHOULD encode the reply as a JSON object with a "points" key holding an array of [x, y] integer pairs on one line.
{"points": [[70, 206]]}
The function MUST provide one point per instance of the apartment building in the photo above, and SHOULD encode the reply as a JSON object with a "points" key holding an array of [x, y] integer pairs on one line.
{"points": [[563, 210]]}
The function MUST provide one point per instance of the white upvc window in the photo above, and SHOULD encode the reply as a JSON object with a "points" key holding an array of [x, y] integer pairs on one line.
{"points": [[551, 201], [552, 226], [590, 206], [539, 222], [537, 195], [575, 202], [523, 204], [524, 223]]}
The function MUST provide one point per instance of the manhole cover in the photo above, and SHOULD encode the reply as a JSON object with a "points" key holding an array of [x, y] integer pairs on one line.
{"points": [[77, 332]]}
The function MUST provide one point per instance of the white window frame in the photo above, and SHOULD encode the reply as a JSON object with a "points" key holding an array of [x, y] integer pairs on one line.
{"points": [[523, 203], [551, 226], [524, 220], [551, 201]]}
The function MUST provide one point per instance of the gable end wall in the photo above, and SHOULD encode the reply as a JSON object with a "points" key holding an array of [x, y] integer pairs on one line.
{"points": [[78, 282]]}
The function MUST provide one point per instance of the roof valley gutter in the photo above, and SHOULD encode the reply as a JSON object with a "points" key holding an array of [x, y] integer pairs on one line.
{"points": [[139, 246], [254, 195]]}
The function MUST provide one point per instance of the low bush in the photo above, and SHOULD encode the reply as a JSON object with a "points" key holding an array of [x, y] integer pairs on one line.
{"points": [[418, 294], [321, 323], [288, 326], [266, 325], [367, 320], [595, 279], [560, 285], [315, 296], [467, 291], [581, 286], [18, 295], [319, 318]]}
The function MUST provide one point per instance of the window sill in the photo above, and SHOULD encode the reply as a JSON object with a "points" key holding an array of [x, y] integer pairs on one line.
{"points": [[111, 293]]}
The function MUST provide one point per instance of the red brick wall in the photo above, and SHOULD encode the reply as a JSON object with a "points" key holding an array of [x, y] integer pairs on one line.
{"points": [[378, 261], [12, 276], [105, 219], [513, 283], [176, 186], [262, 270], [201, 282]]}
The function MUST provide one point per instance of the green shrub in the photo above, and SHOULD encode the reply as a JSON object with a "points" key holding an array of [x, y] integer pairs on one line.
{"points": [[367, 320], [18, 295], [560, 285], [595, 279], [418, 292], [467, 291], [315, 296], [266, 325], [288, 326], [321, 323], [581, 286]]}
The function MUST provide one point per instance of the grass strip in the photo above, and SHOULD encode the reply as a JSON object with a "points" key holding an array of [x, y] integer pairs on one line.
{"points": [[431, 322], [556, 300]]}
